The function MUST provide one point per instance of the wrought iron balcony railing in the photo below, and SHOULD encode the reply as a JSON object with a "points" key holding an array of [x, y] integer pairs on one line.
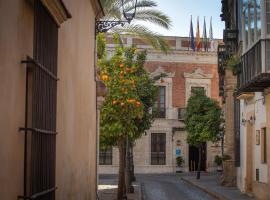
{"points": [[255, 68], [181, 114]]}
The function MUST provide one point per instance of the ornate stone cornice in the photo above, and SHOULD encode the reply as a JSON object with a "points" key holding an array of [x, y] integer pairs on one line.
{"points": [[160, 70], [58, 10], [198, 74]]}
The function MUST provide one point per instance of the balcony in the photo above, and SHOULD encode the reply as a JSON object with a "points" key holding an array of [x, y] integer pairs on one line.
{"points": [[222, 55], [255, 68], [181, 114]]}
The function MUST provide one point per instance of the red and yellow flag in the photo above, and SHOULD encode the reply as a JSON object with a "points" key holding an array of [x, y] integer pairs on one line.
{"points": [[198, 38]]}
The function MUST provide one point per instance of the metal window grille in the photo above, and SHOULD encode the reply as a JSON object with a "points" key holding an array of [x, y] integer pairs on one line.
{"points": [[40, 117], [158, 148], [159, 109], [105, 156]]}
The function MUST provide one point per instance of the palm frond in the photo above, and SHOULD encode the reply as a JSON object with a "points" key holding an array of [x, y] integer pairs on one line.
{"points": [[154, 16], [142, 4], [145, 34]]}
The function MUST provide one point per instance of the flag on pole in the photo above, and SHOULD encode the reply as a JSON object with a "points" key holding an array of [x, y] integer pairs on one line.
{"points": [[205, 40], [198, 38], [211, 38], [191, 36]]}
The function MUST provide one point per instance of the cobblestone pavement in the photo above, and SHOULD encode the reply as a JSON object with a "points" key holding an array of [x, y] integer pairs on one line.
{"points": [[169, 187], [107, 188], [209, 183]]}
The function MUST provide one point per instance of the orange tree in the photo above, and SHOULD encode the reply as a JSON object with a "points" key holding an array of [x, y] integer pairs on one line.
{"points": [[131, 93]]}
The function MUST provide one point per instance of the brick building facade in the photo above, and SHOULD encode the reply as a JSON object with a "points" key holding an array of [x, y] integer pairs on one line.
{"points": [[157, 150]]}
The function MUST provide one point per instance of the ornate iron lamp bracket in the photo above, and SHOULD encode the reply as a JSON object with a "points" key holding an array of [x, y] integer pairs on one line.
{"points": [[104, 26]]}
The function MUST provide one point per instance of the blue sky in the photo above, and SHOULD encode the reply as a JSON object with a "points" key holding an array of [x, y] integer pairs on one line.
{"points": [[181, 10]]}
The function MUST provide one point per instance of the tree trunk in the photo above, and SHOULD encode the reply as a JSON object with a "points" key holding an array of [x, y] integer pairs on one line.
{"points": [[129, 186], [133, 178], [121, 192], [200, 162]]}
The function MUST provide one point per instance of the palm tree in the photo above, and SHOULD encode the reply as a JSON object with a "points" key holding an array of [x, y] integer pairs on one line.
{"points": [[146, 12]]}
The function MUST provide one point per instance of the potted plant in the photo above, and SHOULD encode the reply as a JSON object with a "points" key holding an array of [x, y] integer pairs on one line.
{"points": [[218, 160], [179, 162], [233, 63]]}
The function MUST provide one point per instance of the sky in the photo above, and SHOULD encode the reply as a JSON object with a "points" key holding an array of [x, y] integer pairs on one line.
{"points": [[180, 12]]}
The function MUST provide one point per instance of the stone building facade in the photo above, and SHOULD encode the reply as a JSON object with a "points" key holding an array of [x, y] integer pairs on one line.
{"points": [[48, 99], [156, 151]]}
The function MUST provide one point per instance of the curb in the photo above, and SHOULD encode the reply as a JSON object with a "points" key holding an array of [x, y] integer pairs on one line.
{"points": [[211, 193], [142, 196]]}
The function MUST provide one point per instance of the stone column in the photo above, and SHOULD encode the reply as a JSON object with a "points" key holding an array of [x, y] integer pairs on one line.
{"points": [[229, 171]]}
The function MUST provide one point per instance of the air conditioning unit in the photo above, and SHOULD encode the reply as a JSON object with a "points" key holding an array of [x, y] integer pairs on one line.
{"points": [[181, 114]]}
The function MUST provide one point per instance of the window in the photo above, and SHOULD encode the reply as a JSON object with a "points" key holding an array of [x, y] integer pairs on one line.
{"points": [[263, 145], [267, 16], [251, 13], [158, 148], [105, 156], [41, 110], [258, 17], [245, 20], [194, 89], [159, 109]]}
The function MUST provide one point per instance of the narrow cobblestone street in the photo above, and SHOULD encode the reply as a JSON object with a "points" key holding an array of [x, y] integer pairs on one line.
{"points": [[155, 187], [169, 187]]}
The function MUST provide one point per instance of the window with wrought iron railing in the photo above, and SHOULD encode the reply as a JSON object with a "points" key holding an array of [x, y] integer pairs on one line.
{"points": [[158, 148], [181, 114], [159, 108]]}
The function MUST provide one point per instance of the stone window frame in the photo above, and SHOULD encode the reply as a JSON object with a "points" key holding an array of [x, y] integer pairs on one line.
{"points": [[165, 148], [167, 83], [197, 79]]}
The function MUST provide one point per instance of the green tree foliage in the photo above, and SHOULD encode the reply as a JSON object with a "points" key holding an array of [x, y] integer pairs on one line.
{"points": [[131, 94], [202, 120], [146, 12]]}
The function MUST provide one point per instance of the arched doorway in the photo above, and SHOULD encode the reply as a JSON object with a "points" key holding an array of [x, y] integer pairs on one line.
{"points": [[194, 158]]}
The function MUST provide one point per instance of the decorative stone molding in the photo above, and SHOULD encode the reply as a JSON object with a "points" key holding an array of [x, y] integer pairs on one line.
{"points": [[58, 10], [197, 79], [246, 96], [198, 74], [160, 70]]}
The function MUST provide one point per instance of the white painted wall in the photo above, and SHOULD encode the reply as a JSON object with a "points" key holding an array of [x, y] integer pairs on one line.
{"points": [[257, 106], [260, 122]]}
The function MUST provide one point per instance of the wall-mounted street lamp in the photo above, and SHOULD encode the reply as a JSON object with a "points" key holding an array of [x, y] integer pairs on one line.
{"points": [[129, 13]]}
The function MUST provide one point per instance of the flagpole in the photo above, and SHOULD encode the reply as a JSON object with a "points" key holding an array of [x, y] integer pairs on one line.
{"points": [[189, 41]]}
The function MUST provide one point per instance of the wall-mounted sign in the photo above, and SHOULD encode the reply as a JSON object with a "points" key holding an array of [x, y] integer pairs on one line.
{"points": [[178, 152]]}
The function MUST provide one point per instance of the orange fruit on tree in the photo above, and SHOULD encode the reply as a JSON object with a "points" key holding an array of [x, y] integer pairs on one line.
{"points": [[104, 77], [138, 104]]}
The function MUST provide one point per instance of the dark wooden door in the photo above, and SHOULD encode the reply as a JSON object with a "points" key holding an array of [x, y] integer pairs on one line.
{"points": [[194, 158]]}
